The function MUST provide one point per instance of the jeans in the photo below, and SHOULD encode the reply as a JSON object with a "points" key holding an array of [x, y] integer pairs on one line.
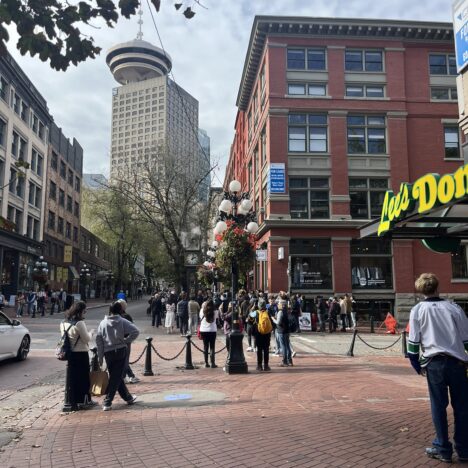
{"points": [[128, 369], [343, 322], [116, 366], [193, 323], [250, 330], [19, 310], [278, 343], [446, 374], [183, 325], [263, 349], [156, 318], [321, 321], [353, 319], [285, 347], [209, 340]]}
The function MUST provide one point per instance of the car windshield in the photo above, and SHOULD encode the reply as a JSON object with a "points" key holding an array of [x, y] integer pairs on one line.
{"points": [[4, 320]]}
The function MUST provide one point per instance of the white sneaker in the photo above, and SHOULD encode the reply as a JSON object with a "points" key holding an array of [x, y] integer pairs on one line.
{"points": [[127, 380], [134, 380], [130, 402], [106, 408], [293, 354], [249, 349]]}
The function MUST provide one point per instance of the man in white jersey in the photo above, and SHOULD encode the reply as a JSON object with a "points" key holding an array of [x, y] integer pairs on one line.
{"points": [[440, 328]]}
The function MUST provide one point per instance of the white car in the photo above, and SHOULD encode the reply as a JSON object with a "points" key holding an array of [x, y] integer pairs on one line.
{"points": [[14, 339]]}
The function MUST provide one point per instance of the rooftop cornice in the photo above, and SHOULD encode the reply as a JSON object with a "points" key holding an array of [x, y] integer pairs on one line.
{"points": [[331, 28]]}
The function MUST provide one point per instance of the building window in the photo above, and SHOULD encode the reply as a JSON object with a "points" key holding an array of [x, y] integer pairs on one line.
{"points": [[54, 161], [18, 147], [16, 103], [451, 142], [69, 203], [309, 198], [34, 195], [36, 162], [51, 221], [311, 89], [60, 225], [307, 132], [460, 263], [61, 197], [70, 177], [263, 143], [68, 230], [364, 60], [3, 130], [53, 191], [20, 187], [75, 234], [444, 94], [442, 64], [15, 216], [63, 170], [306, 59], [366, 134], [369, 91], [3, 88], [311, 264], [367, 197], [24, 112], [371, 264], [77, 184]]}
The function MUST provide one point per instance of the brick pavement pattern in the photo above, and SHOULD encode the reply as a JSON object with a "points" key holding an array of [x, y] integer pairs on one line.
{"points": [[326, 411]]}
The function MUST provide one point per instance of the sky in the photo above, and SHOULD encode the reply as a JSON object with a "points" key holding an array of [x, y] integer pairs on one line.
{"points": [[208, 55]]}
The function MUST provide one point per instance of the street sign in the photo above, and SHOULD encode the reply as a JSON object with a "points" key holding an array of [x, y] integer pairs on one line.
{"points": [[277, 178], [460, 31], [261, 255], [67, 254]]}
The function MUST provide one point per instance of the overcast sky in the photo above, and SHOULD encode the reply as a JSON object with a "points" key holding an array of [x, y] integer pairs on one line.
{"points": [[208, 54]]}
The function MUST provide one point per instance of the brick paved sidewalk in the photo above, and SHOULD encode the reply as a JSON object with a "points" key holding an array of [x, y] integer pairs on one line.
{"points": [[324, 412]]}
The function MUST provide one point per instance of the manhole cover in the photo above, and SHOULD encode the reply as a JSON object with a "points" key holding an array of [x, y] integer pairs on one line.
{"points": [[185, 397]]}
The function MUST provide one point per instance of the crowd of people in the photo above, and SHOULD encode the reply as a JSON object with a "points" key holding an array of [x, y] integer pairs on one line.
{"points": [[36, 302]]}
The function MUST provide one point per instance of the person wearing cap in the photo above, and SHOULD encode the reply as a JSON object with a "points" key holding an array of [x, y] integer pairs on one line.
{"points": [[440, 329]]}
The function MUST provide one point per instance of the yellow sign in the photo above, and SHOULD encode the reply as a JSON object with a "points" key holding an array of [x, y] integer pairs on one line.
{"points": [[68, 254], [429, 191], [59, 273]]}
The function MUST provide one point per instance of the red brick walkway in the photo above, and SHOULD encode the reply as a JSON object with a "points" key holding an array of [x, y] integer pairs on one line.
{"points": [[324, 412]]}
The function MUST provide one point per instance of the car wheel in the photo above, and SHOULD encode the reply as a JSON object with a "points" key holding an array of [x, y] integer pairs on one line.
{"points": [[23, 349]]}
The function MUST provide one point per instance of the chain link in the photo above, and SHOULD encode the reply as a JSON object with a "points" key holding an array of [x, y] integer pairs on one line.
{"points": [[380, 349], [139, 357], [169, 359], [202, 350]]}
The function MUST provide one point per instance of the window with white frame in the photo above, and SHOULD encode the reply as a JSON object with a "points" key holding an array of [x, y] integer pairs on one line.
{"points": [[365, 90], [367, 196], [307, 89], [363, 60], [452, 141], [3, 130], [3, 88], [308, 133], [366, 134], [37, 161], [442, 64], [309, 197], [439, 93], [306, 59]]}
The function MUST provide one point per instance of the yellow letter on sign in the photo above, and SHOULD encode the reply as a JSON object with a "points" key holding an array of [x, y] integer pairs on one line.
{"points": [[425, 192]]}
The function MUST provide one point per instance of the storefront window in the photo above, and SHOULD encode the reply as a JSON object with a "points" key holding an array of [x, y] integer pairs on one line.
{"points": [[371, 264], [9, 261], [459, 263], [373, 308], [26, 265], [311, 264]]}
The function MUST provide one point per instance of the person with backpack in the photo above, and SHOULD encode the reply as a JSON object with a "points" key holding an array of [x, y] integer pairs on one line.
{"points": [[208, 331], [76, 338], [263, 329], [250, 322], [112, 339], [282, 328]]}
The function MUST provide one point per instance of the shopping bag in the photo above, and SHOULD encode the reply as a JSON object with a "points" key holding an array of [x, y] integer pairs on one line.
{"points": [[99, 381]]}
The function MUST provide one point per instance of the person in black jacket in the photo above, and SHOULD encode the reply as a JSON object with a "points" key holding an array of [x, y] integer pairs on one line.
{"points": [[156, 310], [183, 314]]}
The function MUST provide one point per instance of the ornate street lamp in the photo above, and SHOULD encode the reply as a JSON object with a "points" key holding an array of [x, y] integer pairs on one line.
{"points": [[40, 271], [236, 208], [84, 278]]}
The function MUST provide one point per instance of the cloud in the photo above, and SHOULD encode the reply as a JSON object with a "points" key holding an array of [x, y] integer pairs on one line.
{"points": [[208, 55]]}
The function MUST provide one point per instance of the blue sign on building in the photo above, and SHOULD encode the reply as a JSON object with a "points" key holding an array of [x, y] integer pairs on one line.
{"points": [[277, 178], [460, 31]]}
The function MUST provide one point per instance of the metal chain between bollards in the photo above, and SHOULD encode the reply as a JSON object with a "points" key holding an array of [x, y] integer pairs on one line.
{"points": [[378, 348], [139, 357], [169, 359]]}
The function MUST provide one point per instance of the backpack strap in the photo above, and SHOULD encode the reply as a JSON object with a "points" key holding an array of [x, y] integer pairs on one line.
{"points": [[68, 329]]}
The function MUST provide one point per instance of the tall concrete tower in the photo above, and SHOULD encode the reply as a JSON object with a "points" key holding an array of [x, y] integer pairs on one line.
{"points": [[149, 110]]}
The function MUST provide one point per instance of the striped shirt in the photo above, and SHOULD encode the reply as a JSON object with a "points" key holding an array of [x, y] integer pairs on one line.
{"points": [[438, 326]]}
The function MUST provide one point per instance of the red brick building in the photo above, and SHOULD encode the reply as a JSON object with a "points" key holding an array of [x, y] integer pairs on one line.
{"points": [[351, 108]]}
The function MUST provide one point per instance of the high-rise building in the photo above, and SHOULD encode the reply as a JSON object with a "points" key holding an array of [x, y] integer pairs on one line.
{"points": [[94, 181], [205, 164], [24, 134], [332, 114], [150, 112]]}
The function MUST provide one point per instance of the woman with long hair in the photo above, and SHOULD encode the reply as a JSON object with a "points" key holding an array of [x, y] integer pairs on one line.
{"points": [[208, 329], [170, 320], [78, 364]]}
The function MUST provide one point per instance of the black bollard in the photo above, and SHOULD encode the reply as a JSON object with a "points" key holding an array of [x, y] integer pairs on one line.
{"points": [[148, 369], [188, 354], [67, 407], [351, 347], [372, 329], [404, 347]]}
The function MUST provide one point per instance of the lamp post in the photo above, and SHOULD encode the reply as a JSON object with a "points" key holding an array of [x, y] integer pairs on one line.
{"points": [[110, 279], [237, 208], [84, 278], [40, 271]]}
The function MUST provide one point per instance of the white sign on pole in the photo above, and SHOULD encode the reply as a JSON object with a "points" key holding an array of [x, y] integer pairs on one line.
{"points": [[261, 255]]}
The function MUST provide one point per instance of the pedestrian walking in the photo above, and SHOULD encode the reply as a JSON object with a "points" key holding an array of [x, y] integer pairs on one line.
{"points": [[321, 313], [170, 313], [113, 335], [183, 314], [63, 299], [156, 308], [272, 308], [263, 328], [343, 308], [333, 312], [440, 329], [282, 327], [194, 312], [20, 301], [129, 375], [353, 312], [41, 301], [226, 317], [32, 303], [349, 307], [208, 331], [250, 322], [78, 364]]}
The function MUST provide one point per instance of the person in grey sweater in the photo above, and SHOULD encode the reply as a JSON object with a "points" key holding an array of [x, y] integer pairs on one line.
{"points": [[113, 335]]}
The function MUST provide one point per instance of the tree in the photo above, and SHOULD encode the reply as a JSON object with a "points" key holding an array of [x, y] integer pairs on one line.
{"points": [[164, 190], [52, 29]]}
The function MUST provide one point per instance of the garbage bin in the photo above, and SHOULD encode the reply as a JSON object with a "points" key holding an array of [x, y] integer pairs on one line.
{"points": [[69, 301]]}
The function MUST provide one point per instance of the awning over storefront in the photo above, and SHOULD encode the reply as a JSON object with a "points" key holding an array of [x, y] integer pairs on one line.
{"points": [[74, 272]]}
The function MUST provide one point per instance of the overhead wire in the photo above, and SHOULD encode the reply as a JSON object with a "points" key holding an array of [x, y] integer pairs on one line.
{"points": [[192, 126]]}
